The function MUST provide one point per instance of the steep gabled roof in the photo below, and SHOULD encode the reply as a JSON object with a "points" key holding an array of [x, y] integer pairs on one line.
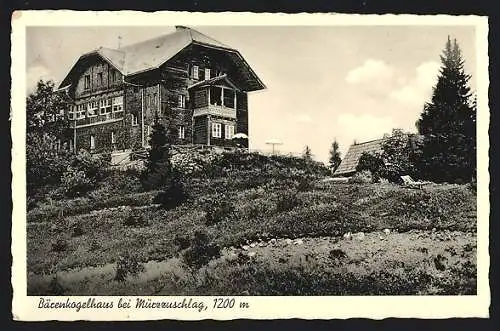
{"points": [[351, 159], [151, 54]]}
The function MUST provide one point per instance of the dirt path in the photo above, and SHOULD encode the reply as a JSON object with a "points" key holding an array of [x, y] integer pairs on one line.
{"points": [[440, 254], [437, 250]]}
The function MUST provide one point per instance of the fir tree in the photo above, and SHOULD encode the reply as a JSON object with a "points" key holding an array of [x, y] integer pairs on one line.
{"points": [[307, 154], [334, 160], [158, 167], [448, 123]]}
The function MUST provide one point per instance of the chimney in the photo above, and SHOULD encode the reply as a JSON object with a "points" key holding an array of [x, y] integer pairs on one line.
{"points": [[119, 42]]}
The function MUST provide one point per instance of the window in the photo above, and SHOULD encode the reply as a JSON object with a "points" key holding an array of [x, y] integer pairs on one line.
{"points": [[216, 130], [92, 142], [113, 138], [228, 98], [148, 134], [87, 82], [207, 74], [105, 106], [151, 101], [181, 101], [117, 104], [80, 111], [114, 75], [195, 72], [215, 96], [71, 112], [182, 132], [92, 109], [99, 79], [135, 120], [229, 131]]}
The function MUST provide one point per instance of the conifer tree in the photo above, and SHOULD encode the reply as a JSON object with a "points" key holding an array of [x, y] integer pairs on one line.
{"points": [[448, 123], [334, 160], [307, 154], [158, 167]]}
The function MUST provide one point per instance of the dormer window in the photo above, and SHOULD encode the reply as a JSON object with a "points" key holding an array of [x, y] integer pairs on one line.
{"points": [[114, 75], [196, 72], [207, 74], [86, 82]]}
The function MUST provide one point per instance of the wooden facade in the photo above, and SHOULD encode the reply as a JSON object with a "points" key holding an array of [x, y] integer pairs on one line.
{"points": [[200, 94]]}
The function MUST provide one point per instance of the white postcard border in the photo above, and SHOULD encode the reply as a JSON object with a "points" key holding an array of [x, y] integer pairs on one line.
{"points": [[320, 307]]}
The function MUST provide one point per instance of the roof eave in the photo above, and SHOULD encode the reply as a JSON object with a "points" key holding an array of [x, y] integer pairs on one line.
{"points": [[232, 50]]}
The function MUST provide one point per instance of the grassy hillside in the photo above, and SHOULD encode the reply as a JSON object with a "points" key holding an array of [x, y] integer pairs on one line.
{"points": [[255, 230]]}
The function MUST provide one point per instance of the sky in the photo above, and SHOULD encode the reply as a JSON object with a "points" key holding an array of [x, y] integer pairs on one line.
{"points": [[349, 83]]}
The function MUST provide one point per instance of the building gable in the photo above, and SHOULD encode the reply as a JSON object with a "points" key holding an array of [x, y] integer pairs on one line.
{"points": [[151, 54], [112, 58]]}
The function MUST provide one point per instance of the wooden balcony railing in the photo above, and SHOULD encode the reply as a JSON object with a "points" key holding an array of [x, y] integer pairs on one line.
{"points": [[216, 111]]}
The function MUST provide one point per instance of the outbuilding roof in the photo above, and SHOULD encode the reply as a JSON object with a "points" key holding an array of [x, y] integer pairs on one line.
{"points": [[351, 159]]}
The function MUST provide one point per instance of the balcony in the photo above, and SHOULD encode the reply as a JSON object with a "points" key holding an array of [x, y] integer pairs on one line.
{"points": [[96, 120], [215, 110]]}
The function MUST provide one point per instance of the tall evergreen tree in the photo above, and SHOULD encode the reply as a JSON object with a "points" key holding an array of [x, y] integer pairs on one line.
{"points": [[448, 123], [307, 154], [334, 160], [158, 167]]}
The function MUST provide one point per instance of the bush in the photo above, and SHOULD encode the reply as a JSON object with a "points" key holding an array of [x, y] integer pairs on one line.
{"points": [[94, 166], [173, 195], [77, 230], [201, 250], [305, 184], [217, 209], [181, 241], [75, 183], [44, 164], [135, 220], [60, 245], [392, 173], [362, 177], [127, 265], [287, 202]]}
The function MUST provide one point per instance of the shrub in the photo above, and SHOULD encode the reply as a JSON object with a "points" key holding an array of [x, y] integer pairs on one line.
{"points": [[372, 162], [287, 202], [181, 241], [391, 173], [60, 245], [305, 184], [55, 288], [201, 250], [135, 220], [217, 208], [362, 177], [75, 183], [44, 164], [127, 265], [94, 166], [126, 181], [173, 194], [77, 230]]}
